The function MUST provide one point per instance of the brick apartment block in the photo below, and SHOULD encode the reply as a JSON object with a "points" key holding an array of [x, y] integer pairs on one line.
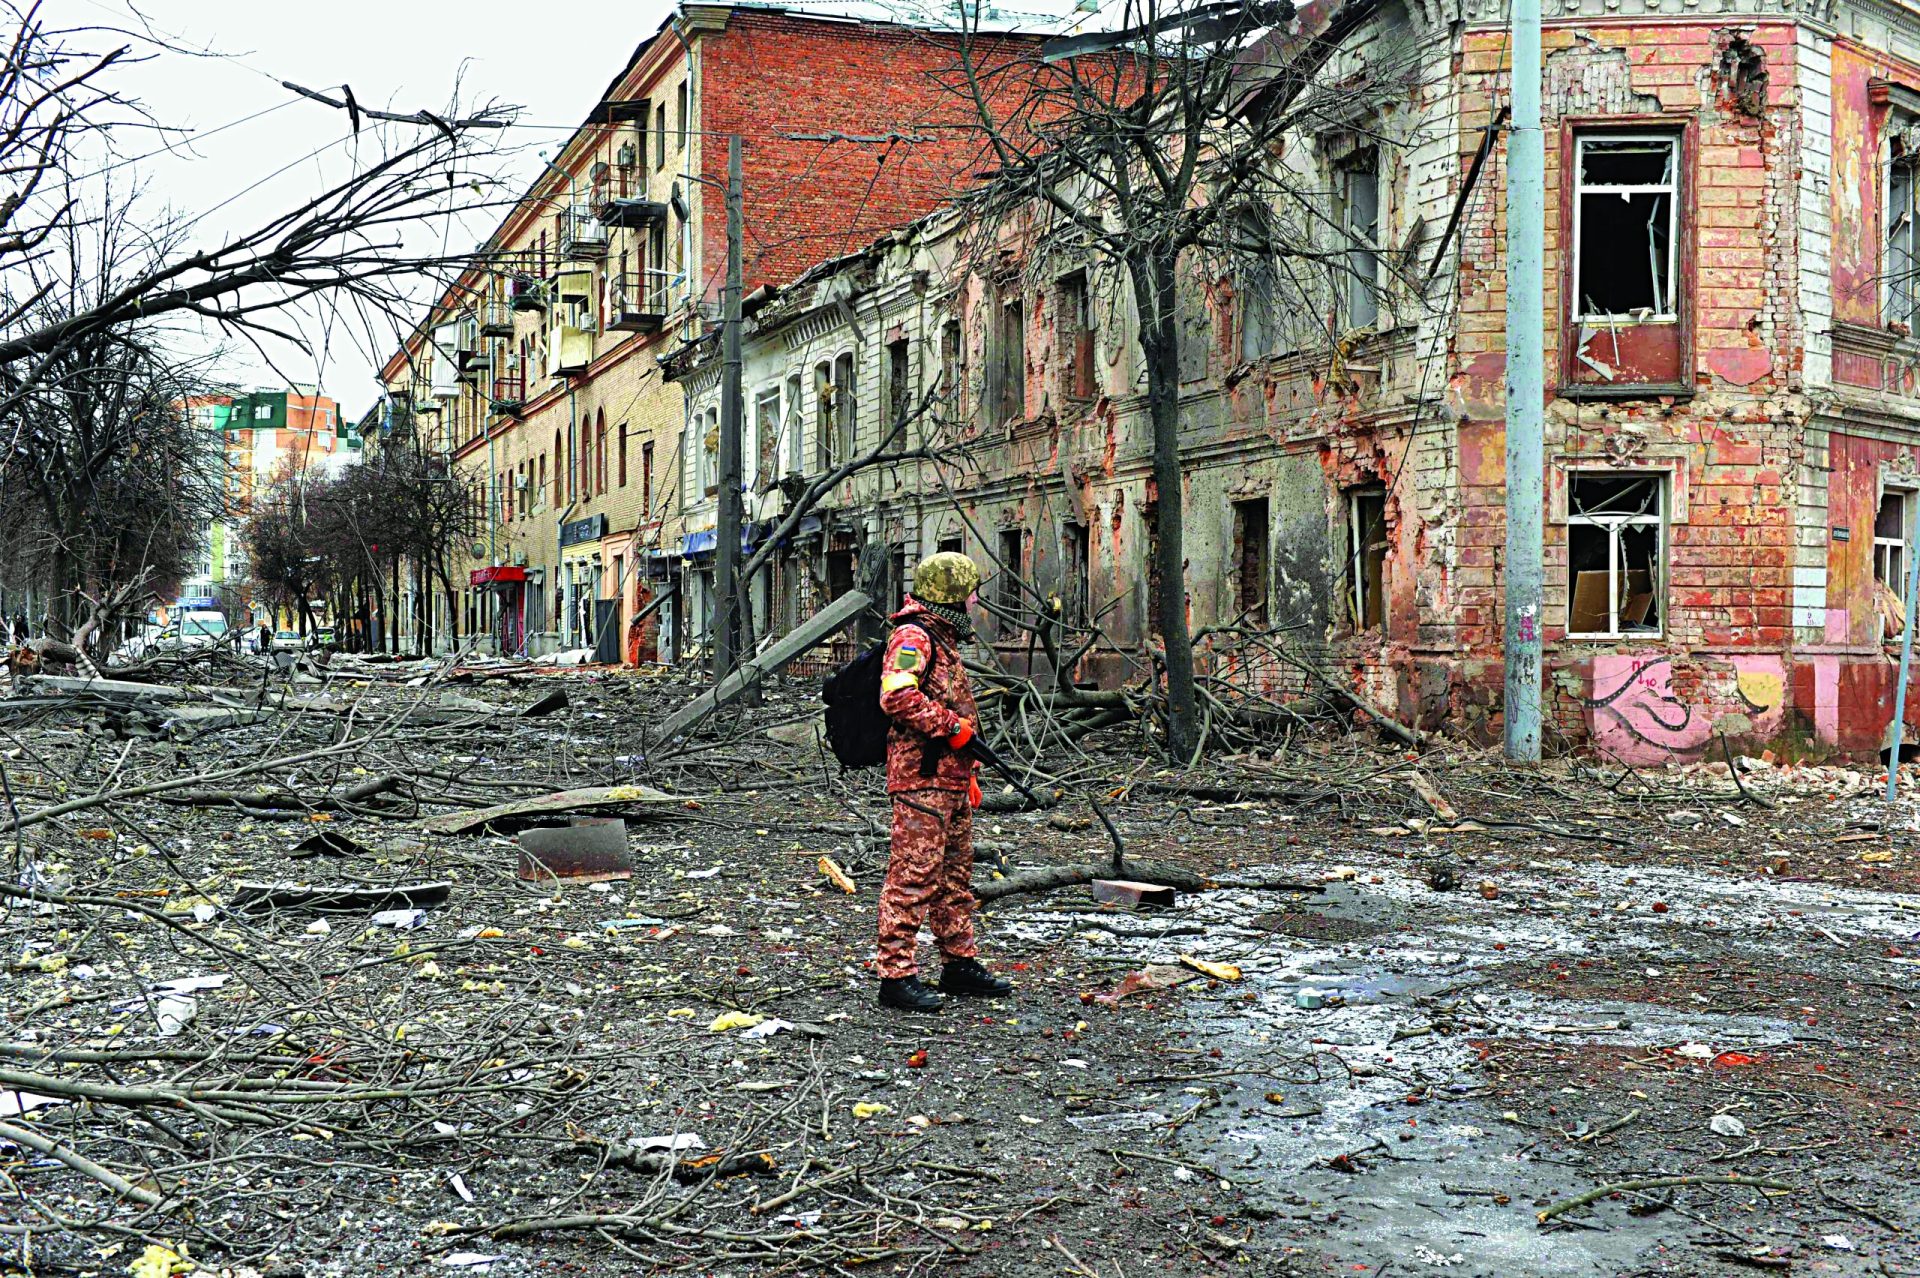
{"points": [[1733, 415]]}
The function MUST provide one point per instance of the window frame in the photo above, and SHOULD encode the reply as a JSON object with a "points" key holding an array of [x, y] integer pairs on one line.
{"points": [[1900, 286], [1671, 189], [1685, 130], [1357, 546], [1659, 521], [1895, 546], [1360, 290], [1073, 293]]}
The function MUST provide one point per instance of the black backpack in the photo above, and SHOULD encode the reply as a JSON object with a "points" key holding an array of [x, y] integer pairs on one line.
{"points": [[856, 725]]}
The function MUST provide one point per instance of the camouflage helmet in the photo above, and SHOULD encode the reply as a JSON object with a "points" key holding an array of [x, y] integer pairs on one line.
{"points": [[945, 578]]}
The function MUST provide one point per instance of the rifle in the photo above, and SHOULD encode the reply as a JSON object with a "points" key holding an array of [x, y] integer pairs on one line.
{"points": [[980, 750]]}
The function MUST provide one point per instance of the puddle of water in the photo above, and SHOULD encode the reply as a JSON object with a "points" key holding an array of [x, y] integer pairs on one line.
{"points": [[1401, 1206]]}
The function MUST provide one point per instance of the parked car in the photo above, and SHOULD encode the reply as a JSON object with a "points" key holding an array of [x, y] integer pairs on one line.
{"points": [[288, 641]]}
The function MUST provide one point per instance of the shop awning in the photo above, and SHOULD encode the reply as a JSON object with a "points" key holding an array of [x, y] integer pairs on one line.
{"points": [[497, 573]]}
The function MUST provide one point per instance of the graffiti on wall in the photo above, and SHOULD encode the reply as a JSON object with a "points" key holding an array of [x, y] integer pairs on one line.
{"points": [[1636, 715]]}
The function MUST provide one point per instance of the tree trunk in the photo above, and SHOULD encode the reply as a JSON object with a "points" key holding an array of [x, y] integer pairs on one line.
{"points": [[1155, 277]]}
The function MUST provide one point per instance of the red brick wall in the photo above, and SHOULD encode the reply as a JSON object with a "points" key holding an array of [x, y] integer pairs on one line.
{"points": [[1733, 444], [769, 73]]}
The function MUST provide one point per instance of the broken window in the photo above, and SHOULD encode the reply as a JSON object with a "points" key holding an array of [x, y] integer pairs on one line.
{"points": [[845, 422], [1616, 554], [951, 368], [1259, 288], [793, 428], [1890, 524], [646, 479], [1899, 268], [823, 416], [1076, 337], [1076, 570], [1360, 219], [899, 383], [1006, 593], [1367, 569], [1250, 532], [1623, 260], [1011, 352], [766, 434], [660, 136]]}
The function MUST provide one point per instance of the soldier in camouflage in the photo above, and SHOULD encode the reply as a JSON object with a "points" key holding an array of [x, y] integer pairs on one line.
{"points": [[924, 691]]}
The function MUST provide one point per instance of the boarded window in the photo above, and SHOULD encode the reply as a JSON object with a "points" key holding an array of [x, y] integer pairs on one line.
{"points": [[1250, 561], [1011, 357], [1367, 563], [1616, 554]]}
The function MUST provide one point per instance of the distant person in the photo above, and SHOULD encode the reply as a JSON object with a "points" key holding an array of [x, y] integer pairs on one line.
{"points": [[266, 637], [20, 632]]}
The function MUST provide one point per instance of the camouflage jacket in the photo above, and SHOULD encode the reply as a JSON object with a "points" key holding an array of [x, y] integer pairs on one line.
{"points": [[924, 690]]}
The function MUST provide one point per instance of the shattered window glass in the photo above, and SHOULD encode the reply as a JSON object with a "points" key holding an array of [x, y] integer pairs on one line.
{"points": [[1901, 293], [1616, 554], [1624, 227]]}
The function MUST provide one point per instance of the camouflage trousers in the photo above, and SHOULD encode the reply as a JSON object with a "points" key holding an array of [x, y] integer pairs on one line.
{"points": [[929, 878]]}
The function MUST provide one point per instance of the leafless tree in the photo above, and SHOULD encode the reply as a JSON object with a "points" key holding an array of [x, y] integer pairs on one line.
{"points": [[105, 478], [1160, 151], [347, 240]]}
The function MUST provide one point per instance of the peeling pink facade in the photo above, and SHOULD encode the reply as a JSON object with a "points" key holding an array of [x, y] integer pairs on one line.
{"points": [[1718, 455]]}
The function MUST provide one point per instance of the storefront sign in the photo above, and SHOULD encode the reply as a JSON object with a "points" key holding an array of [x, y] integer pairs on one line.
{"points": [[497, 573], [592, 528]]}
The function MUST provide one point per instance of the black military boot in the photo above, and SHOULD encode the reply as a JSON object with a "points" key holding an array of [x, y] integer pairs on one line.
{"points": [[909, 995], [966, 976]]}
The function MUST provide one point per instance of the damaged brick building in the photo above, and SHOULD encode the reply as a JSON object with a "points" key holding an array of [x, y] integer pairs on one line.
{"points": [[1732, 416]]}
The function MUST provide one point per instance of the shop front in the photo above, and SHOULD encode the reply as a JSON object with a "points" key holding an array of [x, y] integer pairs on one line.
{"points": [[507, 583]]}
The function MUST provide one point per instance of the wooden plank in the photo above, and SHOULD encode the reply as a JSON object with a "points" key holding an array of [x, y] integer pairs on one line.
{"points": [[586, 800], [830, 620]]}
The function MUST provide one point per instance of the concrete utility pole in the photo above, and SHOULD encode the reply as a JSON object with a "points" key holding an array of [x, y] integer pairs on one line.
{"points": [[726, 551], [1526, 388]]}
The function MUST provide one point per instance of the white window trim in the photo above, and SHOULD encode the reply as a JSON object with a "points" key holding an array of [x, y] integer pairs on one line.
{"points": [[1672, 189], [1896, 582], [1613, 525]]}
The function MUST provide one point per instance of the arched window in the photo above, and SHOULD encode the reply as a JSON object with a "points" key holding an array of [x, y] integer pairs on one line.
{"points": [[600, 450]]}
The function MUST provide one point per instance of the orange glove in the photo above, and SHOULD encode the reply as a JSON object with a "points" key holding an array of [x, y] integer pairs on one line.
{"points": [[973, 792], [961, 735]]}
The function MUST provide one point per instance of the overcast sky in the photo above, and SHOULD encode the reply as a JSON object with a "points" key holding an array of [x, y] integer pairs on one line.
{"points": [[252, 149], [402, 55]]}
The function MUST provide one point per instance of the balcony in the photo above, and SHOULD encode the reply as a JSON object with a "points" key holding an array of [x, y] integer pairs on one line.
{"points": [[639, 302], [569, 350], [574, 284], [527, 294], [582, 237], [496, 319], [476, 368], [509, 394], [620, 199]]}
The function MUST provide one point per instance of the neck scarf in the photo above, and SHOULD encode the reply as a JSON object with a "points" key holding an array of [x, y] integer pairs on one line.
{"points": [[955, 616]]}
